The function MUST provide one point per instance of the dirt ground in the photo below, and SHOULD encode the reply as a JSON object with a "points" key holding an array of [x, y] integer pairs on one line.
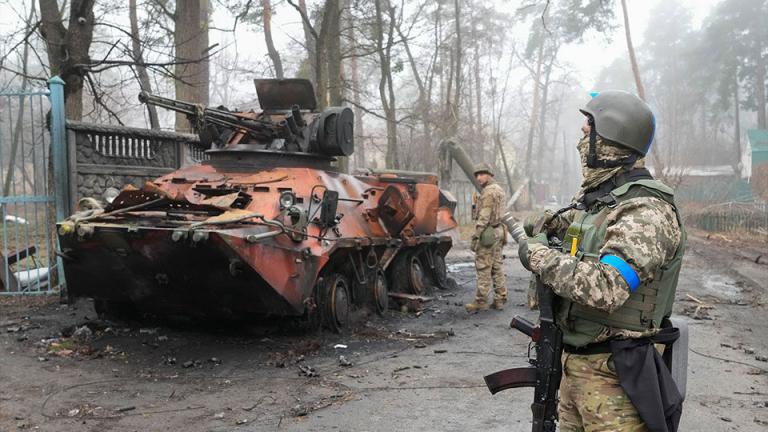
{"points": [[397, 372]]}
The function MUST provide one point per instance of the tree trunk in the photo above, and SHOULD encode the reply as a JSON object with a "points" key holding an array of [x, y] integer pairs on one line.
{"points": [[386, 90], [533, 120], [68, 47], [333, 50], [737, 126], [478, 91], [760, 87], [657, 160], [541, 150], [309, 41], [191, 44], [20, 114], [333, 63], [360, 157], [143, 77], [631, 49], [454, 127], [273, 54]]}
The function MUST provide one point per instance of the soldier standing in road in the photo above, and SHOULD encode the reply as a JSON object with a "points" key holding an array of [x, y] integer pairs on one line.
{"points": [[614, 267], [487, 242]]}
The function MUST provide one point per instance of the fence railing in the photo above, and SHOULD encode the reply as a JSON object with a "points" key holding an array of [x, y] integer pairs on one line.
{"points": [[28, 142], [103, 156], [47, 164], [729, 216]]}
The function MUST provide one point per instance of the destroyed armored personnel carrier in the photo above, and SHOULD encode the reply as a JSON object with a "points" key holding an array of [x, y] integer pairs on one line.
{"points": [[268, 226]]}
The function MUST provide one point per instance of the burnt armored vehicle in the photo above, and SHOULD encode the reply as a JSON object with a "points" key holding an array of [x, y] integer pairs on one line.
{"points": [[267, 226]]}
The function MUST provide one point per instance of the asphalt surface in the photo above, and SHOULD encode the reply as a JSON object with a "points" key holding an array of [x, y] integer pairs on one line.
{"points": [[402, 371]]}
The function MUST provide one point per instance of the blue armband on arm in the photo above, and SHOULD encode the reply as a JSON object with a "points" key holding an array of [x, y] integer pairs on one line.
{"points": [[627, 272]]}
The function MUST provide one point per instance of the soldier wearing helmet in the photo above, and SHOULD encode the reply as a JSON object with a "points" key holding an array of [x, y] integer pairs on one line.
{"points": [[487, 242], [615, 268]]}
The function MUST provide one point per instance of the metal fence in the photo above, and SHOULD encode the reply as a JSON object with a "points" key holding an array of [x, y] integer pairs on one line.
{"points": [[730, 216], [28, 262]]}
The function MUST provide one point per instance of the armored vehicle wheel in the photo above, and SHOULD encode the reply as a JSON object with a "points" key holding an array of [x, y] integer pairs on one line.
{"points": [[417, 275], [380, 293], [336, 302], [408, 274], [440, 272]]}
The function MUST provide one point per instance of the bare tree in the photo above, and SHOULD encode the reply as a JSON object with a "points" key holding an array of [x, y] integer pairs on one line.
{"points": [[191, 46], [273, 54], [141, 72], [68, 47], [386, 88]]}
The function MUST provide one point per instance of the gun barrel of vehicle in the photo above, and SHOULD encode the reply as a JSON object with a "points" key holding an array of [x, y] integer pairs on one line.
{"points": [[171, 104], [514, 227]]}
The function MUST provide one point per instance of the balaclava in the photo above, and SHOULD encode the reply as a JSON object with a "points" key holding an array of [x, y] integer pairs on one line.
{"points": [[606, 150]]}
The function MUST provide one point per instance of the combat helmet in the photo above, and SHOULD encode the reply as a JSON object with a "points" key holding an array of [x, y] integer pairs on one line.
{"points": [[623, 119], [483, 168]]}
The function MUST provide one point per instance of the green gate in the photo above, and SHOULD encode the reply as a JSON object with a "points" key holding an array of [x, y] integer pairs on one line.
{"points": [[33, 172]]}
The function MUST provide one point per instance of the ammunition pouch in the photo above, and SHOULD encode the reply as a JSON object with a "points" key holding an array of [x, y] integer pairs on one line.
{"points": [[489, 236]]}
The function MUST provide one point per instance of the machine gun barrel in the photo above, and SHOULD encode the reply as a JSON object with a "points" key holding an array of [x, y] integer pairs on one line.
{"points": [[175, 105], [199, 116]]}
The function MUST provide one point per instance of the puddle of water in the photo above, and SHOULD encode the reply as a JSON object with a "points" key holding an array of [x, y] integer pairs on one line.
{"points": [[456, 267]]}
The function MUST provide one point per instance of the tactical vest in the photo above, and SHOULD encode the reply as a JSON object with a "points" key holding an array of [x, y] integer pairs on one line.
{"points": [[651, 301]]}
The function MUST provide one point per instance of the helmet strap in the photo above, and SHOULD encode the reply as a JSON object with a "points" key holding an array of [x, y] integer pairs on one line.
{"points": [[593, 161], [592, 155]]}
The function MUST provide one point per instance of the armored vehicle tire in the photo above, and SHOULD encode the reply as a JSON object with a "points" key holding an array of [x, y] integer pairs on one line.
{"points": [[440, 271], [380, 293], [408, 274], [335, 302], [115, 310]]}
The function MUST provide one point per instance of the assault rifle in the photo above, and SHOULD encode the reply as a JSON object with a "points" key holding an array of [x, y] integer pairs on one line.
{"points": [[544, 374]]}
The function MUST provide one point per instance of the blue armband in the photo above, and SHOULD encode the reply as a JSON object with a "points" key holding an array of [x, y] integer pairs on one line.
{"points": [[629, 274]]}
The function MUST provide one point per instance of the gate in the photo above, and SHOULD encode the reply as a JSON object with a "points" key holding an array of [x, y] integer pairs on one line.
{"points": [[28, 261]]}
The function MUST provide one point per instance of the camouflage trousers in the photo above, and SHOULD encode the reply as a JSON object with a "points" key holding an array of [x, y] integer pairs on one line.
{"points": [[591, 398], [488, 263]]}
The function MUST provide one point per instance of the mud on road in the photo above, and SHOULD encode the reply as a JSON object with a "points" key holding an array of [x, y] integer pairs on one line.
{"points": [[402, 371]]}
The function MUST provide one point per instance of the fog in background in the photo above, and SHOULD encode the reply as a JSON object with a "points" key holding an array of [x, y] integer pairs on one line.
{"points": [[523, 70]]}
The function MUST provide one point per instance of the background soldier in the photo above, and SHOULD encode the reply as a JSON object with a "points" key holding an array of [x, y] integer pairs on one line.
{"points": [[487, 242], [616, 274]]}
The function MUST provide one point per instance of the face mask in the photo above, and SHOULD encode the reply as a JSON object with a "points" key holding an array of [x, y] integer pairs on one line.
{"points": [[593, 177]]}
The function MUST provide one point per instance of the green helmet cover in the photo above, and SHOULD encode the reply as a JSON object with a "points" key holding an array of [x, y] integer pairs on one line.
{"points": [[483, 168], [622, 118]]}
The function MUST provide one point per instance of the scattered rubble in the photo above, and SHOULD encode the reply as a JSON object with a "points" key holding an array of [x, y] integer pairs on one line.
{"points": [[307, 371]]}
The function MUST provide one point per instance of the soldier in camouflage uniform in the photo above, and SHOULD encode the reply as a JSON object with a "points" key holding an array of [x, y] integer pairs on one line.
{"points": [[487, 242], [616, 270]]}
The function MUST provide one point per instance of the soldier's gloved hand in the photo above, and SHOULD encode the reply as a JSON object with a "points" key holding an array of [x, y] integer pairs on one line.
{"points": [[535, 224], [526, 248], [473, 244]]}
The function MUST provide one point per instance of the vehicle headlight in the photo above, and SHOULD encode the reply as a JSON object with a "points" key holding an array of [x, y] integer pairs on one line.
{"points": [[110, 194], [287, 199]]}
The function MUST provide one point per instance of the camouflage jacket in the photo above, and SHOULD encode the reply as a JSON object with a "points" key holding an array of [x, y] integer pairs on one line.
{"points": [[490, 207], [643, 231]]}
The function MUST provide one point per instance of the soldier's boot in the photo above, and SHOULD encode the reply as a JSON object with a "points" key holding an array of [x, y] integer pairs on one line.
{"points": [[498, 304], [476, 306]]}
